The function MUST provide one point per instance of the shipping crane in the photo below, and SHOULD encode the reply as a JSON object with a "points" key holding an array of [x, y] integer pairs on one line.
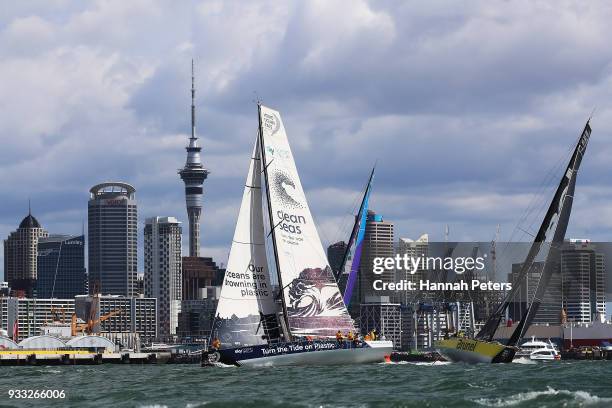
{"points": [[89, 326]]}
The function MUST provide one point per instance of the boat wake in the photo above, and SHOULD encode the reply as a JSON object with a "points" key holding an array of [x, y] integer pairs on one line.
{"points": [[523, 361], [417, 363], [551, 395]]}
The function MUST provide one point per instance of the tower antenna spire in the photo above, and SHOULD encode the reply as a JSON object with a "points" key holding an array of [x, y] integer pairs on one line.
{"points": [[193, 135], [29, 207]]}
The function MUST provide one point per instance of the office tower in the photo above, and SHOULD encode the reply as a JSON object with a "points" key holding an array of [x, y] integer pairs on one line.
{"points": [[112, 239], [193, 175], [162, 276], [335, 255], [377, 242], [414, 249], [583, 284], [549, 310], [202, 280], [61, 267], [20, 249]]}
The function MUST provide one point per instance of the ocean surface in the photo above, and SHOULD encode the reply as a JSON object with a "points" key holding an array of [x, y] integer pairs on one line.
{"points": [[557, 384]]}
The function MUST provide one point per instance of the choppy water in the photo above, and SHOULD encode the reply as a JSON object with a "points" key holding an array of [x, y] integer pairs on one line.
{"points": [[567, 384]]}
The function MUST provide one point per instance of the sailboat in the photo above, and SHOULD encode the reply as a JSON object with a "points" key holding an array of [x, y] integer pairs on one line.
{"points": [[482, 348], [255, 324]]}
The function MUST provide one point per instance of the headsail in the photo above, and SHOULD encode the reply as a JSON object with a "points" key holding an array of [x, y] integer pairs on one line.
{"points": [[357, 236], [313, 303], [246, 313], [553, 228]]}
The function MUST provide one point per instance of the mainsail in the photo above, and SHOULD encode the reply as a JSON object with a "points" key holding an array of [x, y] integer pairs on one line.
{"points": [[553, 228], [247, 312], [311, 298]]}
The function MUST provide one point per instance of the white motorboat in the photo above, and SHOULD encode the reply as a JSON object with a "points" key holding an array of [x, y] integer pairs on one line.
{"points": [[538, 350]]}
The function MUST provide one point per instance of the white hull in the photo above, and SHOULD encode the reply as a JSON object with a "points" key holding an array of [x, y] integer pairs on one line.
{"points": [[374, 354]]}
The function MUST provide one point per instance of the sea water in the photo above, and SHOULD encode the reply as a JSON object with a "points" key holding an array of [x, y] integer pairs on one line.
{"points": [[551, 384]]}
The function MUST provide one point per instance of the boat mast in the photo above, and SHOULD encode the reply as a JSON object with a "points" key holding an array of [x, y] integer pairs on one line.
{"points": [[285, 321]]}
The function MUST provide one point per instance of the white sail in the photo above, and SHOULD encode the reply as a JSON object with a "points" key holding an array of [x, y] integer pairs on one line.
{"points": [[246, 313], [313, 301]]}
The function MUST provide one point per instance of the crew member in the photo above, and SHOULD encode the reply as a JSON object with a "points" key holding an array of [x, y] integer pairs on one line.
{"points": [[216, 344], [339, 337]]}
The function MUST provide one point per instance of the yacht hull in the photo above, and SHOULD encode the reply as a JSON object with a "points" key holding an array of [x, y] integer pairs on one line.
{"points": [[301, 353], [472, 351]]}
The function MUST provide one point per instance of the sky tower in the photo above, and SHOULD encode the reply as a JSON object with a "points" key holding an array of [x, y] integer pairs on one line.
{"points": [[193, 175]]}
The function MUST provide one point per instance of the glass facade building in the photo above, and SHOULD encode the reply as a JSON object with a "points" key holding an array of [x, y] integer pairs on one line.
{"points": [[112, 239], [61, 267]]}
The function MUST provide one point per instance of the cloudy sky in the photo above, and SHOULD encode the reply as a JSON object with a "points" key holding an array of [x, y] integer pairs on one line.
{"points": [[469, 109]]}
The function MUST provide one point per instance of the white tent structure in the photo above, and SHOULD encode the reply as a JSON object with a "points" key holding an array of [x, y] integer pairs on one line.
{"points": [[42, 342], [92, 341]]}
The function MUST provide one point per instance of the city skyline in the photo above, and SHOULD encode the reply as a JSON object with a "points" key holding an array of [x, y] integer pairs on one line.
{"points": [[109, 108]]}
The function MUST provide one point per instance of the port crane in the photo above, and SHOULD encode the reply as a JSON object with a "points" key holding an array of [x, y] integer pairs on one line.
{"points": [[89, 326]]}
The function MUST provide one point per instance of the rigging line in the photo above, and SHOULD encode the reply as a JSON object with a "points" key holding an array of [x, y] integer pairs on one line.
{"points": [[545, 184], [56, 268], [537, 201]]}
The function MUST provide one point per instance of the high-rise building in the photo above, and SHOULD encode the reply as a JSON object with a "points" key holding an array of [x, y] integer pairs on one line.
{"points": [[162, 276], [549, 309], [377, 242], [112, 239], [61, 267], [414, 249], [335, 255], [200, 273], [20, 253], [193, 175], [583, 283]]}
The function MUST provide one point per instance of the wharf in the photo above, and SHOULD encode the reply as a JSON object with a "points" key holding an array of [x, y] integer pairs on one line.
{"points": [[78, 357]]}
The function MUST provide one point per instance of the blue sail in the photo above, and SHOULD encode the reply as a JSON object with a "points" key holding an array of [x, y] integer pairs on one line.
{"points": [[360, 227]]}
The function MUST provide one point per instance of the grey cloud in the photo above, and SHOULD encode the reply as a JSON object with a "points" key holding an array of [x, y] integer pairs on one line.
{"points": [[466, 108]]}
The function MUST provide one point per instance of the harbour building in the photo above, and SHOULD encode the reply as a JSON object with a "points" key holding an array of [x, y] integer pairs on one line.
{"points": [[28, 317], [20, 256], [583, 283], [378, 313], [61, 267], [25, 317], [112, 239], [162, 275]]}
